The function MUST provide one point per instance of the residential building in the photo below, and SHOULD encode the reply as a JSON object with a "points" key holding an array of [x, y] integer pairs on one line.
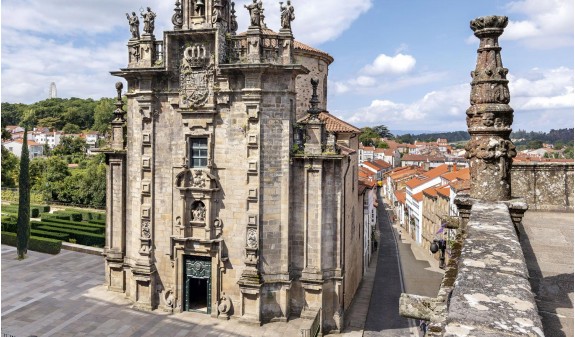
{"points": [[15, 146]]}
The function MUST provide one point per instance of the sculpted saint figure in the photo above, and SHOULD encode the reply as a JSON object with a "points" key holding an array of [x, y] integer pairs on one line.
{"points": [[287, 15], [149, 18], [255, 10], [134, 25]]}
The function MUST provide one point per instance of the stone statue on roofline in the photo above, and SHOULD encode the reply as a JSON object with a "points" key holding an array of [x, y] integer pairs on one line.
{"points": [[287, 15], [255, 10], [149, 20], [134, 23]]}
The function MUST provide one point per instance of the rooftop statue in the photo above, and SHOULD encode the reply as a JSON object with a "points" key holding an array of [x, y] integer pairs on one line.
{"points": [[134, 25], [255, 9], [287, 15], [149, 18]]}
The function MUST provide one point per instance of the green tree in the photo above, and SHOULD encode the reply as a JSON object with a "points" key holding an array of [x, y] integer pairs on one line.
{"points": [[70, 146], [12, 113], [535, 144], [381, 145], [6, 135], [103, 115], [568, 152], [49, 122], [9, 170], [23, 224], [368, 136], [382, 131], [71, 128]]}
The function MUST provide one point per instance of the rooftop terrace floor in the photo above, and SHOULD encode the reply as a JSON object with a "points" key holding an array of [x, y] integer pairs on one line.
{"points": [[547, 242]]}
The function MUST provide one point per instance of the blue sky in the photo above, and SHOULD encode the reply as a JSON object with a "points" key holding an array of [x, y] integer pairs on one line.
{"points": [[404, 64]]}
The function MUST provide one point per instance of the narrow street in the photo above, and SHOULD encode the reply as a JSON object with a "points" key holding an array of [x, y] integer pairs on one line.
{"points": [[397, 271]]}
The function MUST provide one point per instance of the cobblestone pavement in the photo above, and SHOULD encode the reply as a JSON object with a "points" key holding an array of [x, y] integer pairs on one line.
{"points": [[547, 242]]}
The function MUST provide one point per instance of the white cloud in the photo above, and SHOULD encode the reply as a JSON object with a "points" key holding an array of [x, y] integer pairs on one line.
{"points": [[338, 87], [364, 81], [383, 64], [315, 21], [542, 95], [548, 23], [543, 89]]}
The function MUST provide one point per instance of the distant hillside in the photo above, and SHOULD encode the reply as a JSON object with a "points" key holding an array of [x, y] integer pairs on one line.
{"points": [[564, 136]]}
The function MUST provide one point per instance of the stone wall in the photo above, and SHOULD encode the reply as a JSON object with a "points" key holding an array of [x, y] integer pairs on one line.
{"points": [[545, 186], [485, 290]]}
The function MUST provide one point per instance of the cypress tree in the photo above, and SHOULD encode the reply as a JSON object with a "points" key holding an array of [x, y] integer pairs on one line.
{"points": [[23, 224]]}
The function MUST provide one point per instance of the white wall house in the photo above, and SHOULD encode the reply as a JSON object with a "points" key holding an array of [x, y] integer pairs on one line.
{"points": [[15, 146]]}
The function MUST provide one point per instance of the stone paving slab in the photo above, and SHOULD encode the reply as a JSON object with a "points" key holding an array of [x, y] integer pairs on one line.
{"points": [[63, 295], [547, 243]]}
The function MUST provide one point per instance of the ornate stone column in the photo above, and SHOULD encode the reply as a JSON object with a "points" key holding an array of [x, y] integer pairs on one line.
{"points": [[489, 118]]}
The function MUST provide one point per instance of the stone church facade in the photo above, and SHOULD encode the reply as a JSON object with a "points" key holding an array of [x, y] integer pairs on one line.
{"points": [[231, 191]]}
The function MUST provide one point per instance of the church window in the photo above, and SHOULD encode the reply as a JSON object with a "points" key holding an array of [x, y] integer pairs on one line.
{"points": [[198, 152]]}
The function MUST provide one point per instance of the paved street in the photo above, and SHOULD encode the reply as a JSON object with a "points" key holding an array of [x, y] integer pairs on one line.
{"points": [[398, 270]]}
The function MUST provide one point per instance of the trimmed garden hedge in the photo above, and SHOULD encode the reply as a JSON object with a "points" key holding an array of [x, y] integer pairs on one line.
{"points": [[75, 223], [75, 227], [81, 237], [38, 244]]}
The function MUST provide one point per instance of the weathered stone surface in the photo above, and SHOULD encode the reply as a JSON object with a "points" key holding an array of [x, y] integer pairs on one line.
{"points": [[545, 186], [492, 292], [489, 117]]}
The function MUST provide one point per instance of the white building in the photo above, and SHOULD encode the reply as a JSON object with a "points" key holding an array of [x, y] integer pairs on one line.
{"points": [[15, 146]]}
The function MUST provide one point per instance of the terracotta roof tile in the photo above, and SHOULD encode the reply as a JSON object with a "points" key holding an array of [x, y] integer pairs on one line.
{"points": [[333, 124], [430, 192], [382, 163], [444, 191], [400, 196], [418, 196]]}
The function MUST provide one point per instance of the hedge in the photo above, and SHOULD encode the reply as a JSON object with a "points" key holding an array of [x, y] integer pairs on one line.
{"points": [[50, 235], [75, 227], [81, 237], [79, 224], [66, 215], [38, 244], [8, 226]]}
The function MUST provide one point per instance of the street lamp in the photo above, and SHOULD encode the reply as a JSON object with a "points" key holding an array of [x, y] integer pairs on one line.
{"points": [[439, 245]]}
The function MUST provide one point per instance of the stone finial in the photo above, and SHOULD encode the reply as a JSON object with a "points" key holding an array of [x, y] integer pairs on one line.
{"points": [[177, 18], [489, 118], [314, 101], [262, 18], [119, 112], [233, 21]]}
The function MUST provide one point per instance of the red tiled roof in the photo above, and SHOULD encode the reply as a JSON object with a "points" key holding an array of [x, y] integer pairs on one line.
{"points": [[334, 124], [418, 196], [419, 157], [430, 192], [382, 163], [459, 174], [400, 196], [444, 191], [437, 171]]}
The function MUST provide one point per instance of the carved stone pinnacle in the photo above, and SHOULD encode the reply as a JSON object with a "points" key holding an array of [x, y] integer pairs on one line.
{"points": [[314, 101]]}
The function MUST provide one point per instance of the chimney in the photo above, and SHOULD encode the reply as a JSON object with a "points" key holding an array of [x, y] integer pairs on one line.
{"points": [[454, 167]]}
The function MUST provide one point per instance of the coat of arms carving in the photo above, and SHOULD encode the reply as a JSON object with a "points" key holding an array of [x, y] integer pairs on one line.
{"points": [[195, 73]]}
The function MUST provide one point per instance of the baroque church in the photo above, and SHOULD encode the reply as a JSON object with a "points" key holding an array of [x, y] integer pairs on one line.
{"points": [[230, 189]]}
